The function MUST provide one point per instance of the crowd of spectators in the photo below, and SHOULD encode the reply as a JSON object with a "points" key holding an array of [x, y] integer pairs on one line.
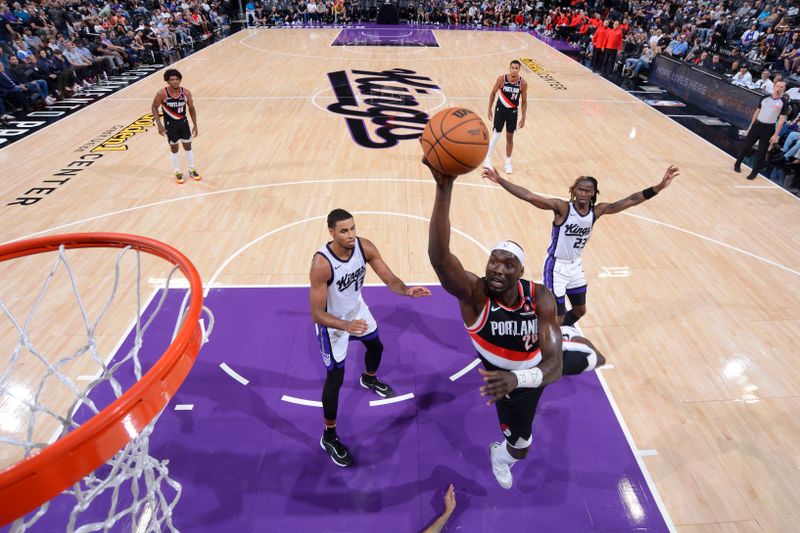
{"points": [[54, 49]]}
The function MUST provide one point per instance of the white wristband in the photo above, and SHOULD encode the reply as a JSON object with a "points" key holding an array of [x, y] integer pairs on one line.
{"points": [[530, 378]]}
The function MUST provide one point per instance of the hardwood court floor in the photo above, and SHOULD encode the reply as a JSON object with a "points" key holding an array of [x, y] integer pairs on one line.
{"points": [[693, 295]]}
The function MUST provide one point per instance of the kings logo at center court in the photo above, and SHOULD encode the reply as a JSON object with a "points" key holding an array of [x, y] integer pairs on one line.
{"points": [[381, 108]]}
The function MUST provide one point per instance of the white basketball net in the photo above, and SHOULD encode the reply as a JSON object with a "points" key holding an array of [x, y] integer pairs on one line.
{"points": [[132, 490]]}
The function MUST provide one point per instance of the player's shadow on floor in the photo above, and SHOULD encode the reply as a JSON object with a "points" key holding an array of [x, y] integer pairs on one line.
{"points": [[406, 317]]}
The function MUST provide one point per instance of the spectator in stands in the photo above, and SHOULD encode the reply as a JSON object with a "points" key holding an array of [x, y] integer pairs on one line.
{"points": [[750, 37], [22, 75], [633, 66], [15, 93], [743, 78], [694, 51], [704, 60], [794, 77], [678, 47], [599, 46], [612, 50], [733, 70], [759, 54], [789, 54], [764, 84]]}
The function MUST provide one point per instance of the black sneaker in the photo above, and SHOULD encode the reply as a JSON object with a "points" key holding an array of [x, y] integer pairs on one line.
{"points": [[737, 167], [340, 455], [381, 389], [752, 176]]}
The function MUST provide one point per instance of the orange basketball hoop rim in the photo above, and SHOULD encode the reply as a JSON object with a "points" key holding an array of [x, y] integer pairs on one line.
{"points": [[37, 479]]}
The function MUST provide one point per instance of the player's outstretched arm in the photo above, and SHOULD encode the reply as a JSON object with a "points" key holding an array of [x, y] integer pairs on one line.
{"points": [[542, 202], [373, 257], [637, 197], [319, 276], [449, 507], [448, 268]]}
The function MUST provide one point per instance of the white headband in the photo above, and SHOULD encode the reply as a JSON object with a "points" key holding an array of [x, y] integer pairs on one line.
{"points": [[512, 248]]}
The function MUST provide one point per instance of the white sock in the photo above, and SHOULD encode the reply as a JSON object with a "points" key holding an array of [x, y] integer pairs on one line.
{"points": [[503, 456], [190, 158], [495, 138], [508, 159], [176, 161]]}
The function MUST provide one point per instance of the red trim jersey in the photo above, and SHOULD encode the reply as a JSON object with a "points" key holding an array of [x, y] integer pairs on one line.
{"points": [[174, 108], [509, 93], [509, 338]]}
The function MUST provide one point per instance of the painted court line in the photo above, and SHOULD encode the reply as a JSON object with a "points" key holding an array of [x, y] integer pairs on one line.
{"points": [[396, 399], [466, 369], [756, 187], [184, 407], [647, 453], [301, 401], [607, 366], [232, 373]]}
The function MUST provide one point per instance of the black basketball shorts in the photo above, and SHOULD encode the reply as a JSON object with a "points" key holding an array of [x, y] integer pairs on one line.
{"points": [[179, 132], [505, 117]]}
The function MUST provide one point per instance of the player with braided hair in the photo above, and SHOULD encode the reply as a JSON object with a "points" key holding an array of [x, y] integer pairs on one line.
{"points": [[572, 225]]}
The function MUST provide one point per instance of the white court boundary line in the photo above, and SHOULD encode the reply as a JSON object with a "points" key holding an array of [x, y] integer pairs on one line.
{"points": [[395, 399], [636, 454], [234, 374], [301, 401], [466, 369]]}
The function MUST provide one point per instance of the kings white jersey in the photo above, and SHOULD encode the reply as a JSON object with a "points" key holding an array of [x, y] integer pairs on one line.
{"points": [[569, 239], [347, 278]]}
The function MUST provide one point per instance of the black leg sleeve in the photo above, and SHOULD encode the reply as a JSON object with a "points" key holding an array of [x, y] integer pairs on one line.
{"points": [[330, 392], [372, 358]]}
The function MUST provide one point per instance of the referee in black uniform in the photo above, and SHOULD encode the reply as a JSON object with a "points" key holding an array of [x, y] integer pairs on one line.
{"points": [[765, 128]]}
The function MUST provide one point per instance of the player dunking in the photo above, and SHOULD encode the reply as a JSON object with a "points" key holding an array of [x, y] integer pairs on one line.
{"points": [[513, 101], [337, 275], [174, 101], [512, 323], [572, 226]]}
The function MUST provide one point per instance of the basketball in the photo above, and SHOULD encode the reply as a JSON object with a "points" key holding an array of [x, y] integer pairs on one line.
{"points": [[455, 141]]}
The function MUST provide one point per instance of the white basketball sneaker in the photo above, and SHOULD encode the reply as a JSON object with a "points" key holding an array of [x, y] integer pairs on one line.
{"points": [[507, 167], [488, 162], [501, 471]]}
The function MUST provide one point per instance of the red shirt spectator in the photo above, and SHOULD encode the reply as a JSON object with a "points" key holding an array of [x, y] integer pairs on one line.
{"points": [[600, 37], [613, 38]]}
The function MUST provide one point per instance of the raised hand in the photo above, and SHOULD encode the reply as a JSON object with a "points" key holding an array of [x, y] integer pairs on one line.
{"points": [[671, 173], [450, 499], [490, 174], [441, 179]]}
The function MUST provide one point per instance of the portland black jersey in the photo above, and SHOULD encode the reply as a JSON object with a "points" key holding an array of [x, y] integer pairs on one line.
{"points": [[174, 108], [509, 93], [509, 338]]}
